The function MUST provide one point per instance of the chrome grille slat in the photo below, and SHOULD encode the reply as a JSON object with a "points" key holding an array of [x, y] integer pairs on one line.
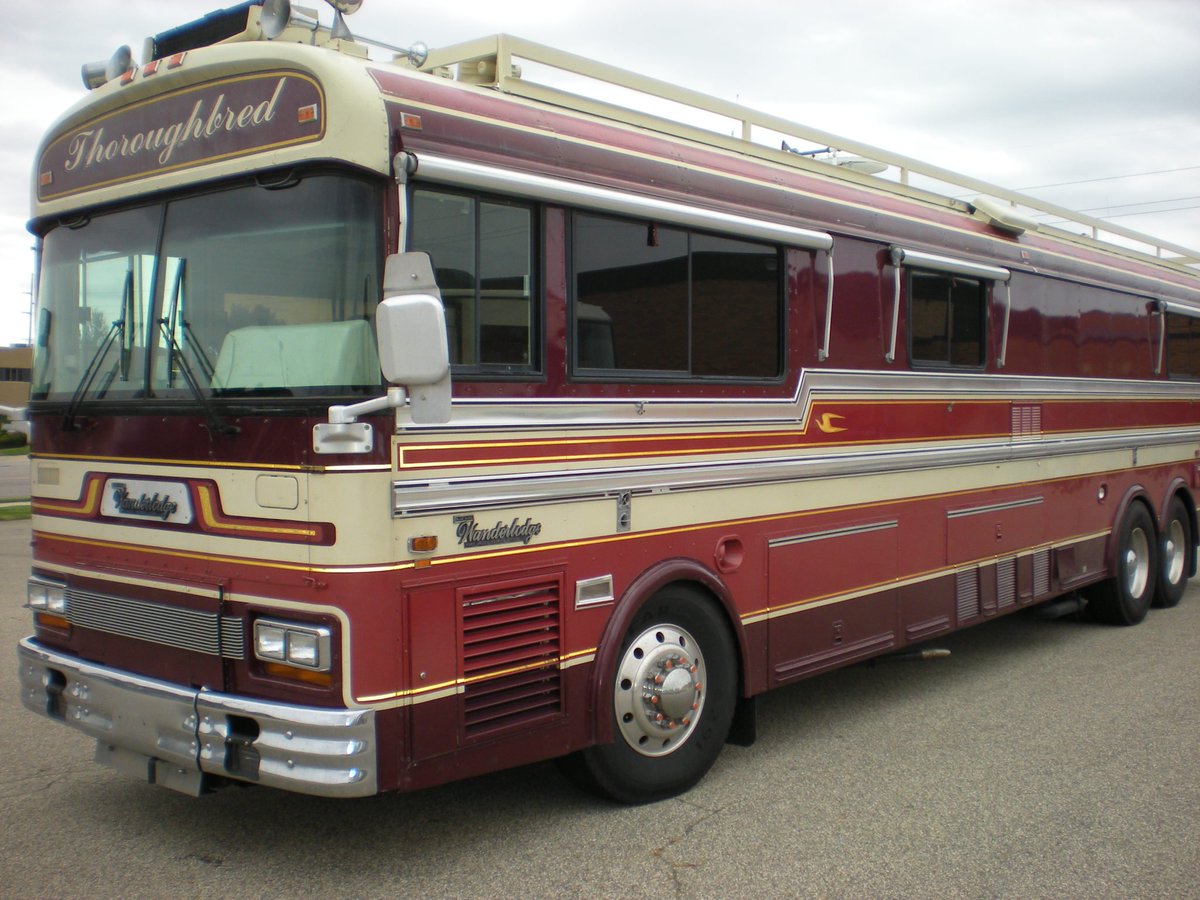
{"points": [[170, 626]]}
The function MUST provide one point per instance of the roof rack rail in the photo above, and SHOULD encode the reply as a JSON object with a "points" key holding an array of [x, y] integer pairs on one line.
{"points": [[493, 62]]}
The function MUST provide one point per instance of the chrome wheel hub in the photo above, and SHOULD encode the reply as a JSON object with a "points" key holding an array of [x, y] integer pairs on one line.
{"points": [[659, 692], [1137, 562], [1174, 553]]}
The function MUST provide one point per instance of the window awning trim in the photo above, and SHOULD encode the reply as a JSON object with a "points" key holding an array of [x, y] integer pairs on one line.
{"points": [[459, 173], [921, 260], [1179, 309]]}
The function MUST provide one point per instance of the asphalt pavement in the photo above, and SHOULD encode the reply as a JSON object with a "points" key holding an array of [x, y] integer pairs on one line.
{"points": [[1042, 759]]}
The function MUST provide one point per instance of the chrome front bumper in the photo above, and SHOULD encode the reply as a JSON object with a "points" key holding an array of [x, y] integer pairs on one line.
{"points": [[176, 736]]}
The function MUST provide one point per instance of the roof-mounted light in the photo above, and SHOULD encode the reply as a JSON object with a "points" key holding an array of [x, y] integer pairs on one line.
{"points": [[95, 74]]}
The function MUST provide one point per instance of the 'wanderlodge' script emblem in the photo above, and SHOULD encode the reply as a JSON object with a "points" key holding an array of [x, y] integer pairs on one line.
{"points": [[166, 501], [516, 532], [216, 120]]}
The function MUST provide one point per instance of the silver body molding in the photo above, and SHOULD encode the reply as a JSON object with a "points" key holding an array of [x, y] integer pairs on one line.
{"points": [[452, 495], [175, 736]]}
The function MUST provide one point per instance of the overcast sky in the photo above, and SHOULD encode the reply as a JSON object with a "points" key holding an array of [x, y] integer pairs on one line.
{"points": [[1090, 104]]}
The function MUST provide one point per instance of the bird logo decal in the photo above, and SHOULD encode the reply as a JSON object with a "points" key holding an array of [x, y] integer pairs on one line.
{"points": [[825, 423]]}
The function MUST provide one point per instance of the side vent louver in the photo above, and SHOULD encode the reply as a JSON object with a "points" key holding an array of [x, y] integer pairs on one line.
{"points": [[968, 594], [511, 642], [1006, 583], [1041, 573]]}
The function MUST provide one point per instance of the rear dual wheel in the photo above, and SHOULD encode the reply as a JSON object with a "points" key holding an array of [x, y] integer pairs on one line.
{"points": [[1124, 599], [1175, 555]]}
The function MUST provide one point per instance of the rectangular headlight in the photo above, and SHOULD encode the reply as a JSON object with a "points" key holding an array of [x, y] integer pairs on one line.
{"points": [[306, 646], [270, 641], [44, 595]]}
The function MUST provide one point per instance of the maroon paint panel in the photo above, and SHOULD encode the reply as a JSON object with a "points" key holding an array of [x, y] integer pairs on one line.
{"points": [[283, 440], [213, 121]]}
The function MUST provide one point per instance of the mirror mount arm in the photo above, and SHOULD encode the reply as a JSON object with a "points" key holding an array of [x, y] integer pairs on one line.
{"points": [[343, 433], [345, 415]]}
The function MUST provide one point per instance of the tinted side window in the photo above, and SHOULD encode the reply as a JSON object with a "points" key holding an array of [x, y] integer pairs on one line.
{"points": [[663, 302], [948, 315]]}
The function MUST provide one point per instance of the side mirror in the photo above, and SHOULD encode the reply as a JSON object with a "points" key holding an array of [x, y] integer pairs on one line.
{"points": [[414, 355], [410, 326]]}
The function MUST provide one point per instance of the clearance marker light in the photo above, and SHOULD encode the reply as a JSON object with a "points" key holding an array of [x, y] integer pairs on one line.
{"points": [[411, 121], [426, 543], [306, 114]]}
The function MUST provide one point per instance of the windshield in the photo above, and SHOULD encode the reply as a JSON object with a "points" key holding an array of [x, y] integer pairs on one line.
{"points": [[251, 291]]}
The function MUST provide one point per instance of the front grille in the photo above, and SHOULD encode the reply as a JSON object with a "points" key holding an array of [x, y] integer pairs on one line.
{"points": [[171, 626], [511, 641]]}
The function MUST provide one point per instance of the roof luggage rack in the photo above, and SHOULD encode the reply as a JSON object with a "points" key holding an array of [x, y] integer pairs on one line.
{"points": [[496, 61]]}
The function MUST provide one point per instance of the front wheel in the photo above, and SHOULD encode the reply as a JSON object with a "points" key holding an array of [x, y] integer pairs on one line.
{"points": [[1175, 554], [1124, 599], [674, 692]]}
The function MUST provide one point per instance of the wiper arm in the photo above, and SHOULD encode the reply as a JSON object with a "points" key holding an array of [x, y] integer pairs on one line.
{"points": [[202, 359], [89, 374], [216, 424], [177, 317]]}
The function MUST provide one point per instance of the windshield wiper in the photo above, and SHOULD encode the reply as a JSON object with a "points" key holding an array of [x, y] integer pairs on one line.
{"points": [[175, 316], [216, 424], [89, 374]]}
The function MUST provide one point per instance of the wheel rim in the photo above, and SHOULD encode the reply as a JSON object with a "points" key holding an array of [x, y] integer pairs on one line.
{"points": [[1174, 552], [659, 691], [1137, 562]]}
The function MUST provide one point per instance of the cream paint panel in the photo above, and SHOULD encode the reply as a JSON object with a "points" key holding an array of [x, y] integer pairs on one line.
{"points": [[673, 510], [670, 510], [167, 541], [359, 505]]}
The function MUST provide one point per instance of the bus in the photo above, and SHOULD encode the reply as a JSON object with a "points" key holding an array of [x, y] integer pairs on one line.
{"points": [[398, 421]]}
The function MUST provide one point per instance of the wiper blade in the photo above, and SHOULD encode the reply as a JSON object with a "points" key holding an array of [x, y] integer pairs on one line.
{"points": [[89, 374], [216, 424]]}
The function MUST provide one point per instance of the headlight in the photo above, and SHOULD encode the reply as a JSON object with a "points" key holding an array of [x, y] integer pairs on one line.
{"points": [[306, 646], [46, 596]]}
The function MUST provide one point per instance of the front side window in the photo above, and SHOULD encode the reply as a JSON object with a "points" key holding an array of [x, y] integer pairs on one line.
{"points": [[482, 254], [250, 291], [660, 301], [947, 320]]}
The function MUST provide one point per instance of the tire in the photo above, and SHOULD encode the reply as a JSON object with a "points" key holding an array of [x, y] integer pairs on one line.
{"points": [[1124, 599], [1175, 549], [674, 692]]}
